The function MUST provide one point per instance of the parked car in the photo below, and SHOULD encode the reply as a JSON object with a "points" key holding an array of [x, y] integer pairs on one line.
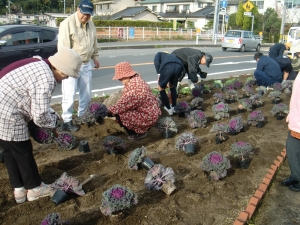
{"points": [[24, 41], [240, 39]]}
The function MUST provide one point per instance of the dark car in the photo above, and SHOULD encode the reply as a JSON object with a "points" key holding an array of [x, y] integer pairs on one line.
{"points": [[24, 41]]}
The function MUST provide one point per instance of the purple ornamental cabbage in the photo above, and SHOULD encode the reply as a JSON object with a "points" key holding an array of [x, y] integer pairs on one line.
{"points": [[255, 117], [197, 91], [216, 164], [65, 141], [287, 86], [275, 94], [246, 103], [111, 143], [240, 149], [280, 109], [157, 176], [116, 199], [256, 100], [277, 86], [98, 110], [237, 84], [39, 134], [218, 97], [136, 157], [196, 103], [68, 184], [248, 90], [220, 127], [221, 110], [197, 118], [54, 219], [184, 139], [231, 94], [236, 125], [182, 107], [250, 81], [167, 123]]}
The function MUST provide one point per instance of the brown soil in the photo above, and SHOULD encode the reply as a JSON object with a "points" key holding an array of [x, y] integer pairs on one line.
{"points": [[197, 200]]}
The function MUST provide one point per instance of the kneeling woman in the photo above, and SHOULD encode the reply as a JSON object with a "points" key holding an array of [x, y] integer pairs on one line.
{"points": [[137, 110]]}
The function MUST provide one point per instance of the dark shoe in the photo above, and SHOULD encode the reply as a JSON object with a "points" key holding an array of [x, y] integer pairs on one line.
{"points": [[137, 137], [288, 182], [69, 126], [294, 187]]}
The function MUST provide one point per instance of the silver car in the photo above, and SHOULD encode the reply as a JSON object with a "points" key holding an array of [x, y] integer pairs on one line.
{"points": [[240, 39]]}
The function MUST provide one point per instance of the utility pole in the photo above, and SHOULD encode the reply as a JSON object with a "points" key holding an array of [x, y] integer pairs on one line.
{"points": [[216, 21], [282, 21], [8, 11], [74, 5]]}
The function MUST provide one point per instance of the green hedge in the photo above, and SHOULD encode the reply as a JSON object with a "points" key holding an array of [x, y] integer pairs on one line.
{"points": [[128, 23]]}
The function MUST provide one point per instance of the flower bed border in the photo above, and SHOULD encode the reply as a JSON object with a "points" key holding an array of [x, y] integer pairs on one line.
{"points": [[259, 194]]}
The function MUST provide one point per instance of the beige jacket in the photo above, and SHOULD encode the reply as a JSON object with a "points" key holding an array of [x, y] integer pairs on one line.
{"points": [[73, 35]]}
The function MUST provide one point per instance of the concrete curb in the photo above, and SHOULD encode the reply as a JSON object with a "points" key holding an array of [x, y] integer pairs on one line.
{"points": [[246, 215], [139, 45]]}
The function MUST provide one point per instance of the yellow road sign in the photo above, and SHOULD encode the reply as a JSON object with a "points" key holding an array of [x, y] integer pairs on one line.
{"points": [[248, 6]]}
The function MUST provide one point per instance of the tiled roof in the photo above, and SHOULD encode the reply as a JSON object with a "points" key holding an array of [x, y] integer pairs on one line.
{"points": [[200, 13], [130, 12]]}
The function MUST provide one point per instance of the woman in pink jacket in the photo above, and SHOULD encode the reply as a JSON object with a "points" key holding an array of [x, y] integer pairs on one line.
{"points": [[137, 110]]}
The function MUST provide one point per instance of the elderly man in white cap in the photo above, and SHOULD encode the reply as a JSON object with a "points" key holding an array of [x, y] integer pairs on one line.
{"points": [[25, 88], [78, 33]]}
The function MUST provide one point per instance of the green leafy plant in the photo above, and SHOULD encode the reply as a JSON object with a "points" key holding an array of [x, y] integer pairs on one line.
{"points": [[185, 90], [135, 157]]}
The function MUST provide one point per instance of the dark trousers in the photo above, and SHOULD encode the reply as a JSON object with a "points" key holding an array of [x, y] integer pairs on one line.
{"points": [[129, 132], [20, 164], [263, 79], [293, 155]]}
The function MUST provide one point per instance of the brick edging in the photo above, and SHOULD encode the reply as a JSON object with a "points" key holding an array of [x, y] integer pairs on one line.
{"points": [[246, 215]]}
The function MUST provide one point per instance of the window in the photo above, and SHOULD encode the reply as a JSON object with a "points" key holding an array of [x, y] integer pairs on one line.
{"points": [[154, 8], [105, 6], [209, 4], [21, 38], [172, 8], [20, 17], [246, 35], [186, 7], [233, 34], [200, 5], [28, 17], [259, 4], [48, 35]]}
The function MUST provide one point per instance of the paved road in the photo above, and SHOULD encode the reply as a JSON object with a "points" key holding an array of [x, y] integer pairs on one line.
{"points": [[141, 54]]}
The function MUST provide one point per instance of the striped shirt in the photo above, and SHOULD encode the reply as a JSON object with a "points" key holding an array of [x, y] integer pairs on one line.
{"points": [[25, 91]]}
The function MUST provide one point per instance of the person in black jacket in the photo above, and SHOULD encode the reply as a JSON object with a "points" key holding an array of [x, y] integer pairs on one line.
{"points": [[278, 50], [267, 70], [191, 59], [169, 69]]}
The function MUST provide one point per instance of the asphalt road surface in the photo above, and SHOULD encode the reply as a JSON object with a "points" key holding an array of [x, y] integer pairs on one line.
{"points": [[225, 64]]}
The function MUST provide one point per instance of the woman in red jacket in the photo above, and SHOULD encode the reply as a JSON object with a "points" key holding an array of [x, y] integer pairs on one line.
{"points": [[137, 110]]}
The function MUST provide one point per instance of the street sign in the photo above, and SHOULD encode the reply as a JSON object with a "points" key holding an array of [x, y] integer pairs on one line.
{"points": [[247, 13], [248, 6], [223, 3], [226, 18]]}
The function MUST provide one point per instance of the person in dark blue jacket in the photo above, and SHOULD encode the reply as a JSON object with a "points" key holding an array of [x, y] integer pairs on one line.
{"points": [[169, 69], [267, 70], [278, 49]]}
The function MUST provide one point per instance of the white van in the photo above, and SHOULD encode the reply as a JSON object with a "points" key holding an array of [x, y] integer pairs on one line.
{"points": [[294, 35]]}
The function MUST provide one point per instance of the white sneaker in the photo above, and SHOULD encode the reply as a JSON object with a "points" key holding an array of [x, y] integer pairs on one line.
{"points": [[43, 190], [173, 109], [170, 111]]}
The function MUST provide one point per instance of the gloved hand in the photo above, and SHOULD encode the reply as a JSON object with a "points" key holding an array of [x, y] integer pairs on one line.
{"points": [[203, 75], [110, 114]]}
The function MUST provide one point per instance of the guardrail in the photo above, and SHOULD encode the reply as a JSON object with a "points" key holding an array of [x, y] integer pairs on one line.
{"points": [[149, 33]]}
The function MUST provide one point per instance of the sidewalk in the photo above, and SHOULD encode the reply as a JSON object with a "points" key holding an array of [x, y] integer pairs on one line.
{"points": [[131, 44]]}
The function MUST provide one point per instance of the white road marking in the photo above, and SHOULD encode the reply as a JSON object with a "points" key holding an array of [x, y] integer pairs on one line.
{"points": [[154, 82]]}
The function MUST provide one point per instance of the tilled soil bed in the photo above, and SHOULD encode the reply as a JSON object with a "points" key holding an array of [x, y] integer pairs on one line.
{"points": [[197, 200]]}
